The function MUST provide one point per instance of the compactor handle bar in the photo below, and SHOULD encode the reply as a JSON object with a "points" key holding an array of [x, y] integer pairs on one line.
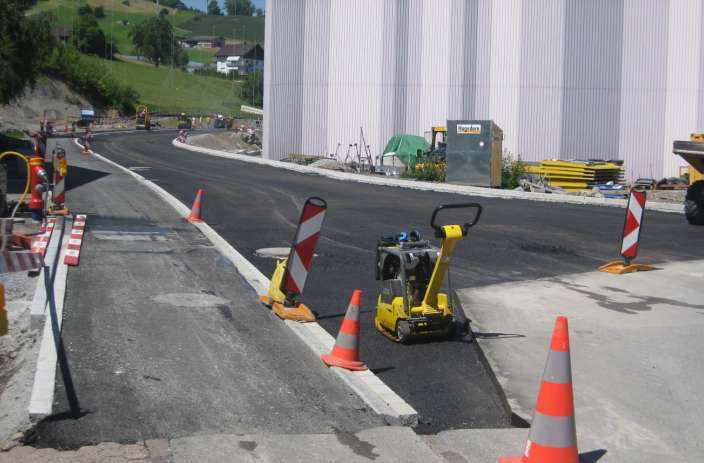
{"points": [[466, 226]]}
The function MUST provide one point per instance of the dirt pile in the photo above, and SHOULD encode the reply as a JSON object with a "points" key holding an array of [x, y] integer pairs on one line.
{"points": [[232, 142], [49, 97]]}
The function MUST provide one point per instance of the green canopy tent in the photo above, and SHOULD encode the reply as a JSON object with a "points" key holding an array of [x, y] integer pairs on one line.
{"points": [[405, 148]]}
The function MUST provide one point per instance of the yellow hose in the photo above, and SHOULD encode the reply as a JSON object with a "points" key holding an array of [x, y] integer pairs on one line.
{"points": [[26, 187]]}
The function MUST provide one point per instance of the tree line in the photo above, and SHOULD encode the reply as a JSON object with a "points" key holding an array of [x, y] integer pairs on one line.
{"points": [[234, 8]]}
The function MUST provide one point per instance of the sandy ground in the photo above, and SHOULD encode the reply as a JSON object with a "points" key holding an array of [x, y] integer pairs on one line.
{"points": [[18, 355]]}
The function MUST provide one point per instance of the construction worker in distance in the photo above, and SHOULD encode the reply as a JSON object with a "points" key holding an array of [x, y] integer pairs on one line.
{"points": [[87, 139], [60, 154]]}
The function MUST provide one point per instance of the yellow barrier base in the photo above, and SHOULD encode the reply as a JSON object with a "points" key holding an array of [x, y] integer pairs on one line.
{"points": [[300, 313], [618, 267]]}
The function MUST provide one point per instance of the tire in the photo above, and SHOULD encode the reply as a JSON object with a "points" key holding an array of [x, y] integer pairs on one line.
{"points": [[403, 331], [694, 203]]}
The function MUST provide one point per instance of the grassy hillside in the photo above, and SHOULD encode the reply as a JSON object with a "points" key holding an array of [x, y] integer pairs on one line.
{"points": [[120, 17], [170, 90], [117, 22], [247, 28]]}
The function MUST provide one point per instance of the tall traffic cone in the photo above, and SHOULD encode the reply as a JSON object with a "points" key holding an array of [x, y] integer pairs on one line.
{"points": [[345, 352], [553, 436], [194, 216]]}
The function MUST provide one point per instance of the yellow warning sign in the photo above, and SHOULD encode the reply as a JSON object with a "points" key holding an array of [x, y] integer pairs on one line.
{"points": [[469, 129]]}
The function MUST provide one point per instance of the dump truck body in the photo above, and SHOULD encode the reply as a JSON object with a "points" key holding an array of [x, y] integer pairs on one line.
{"points": [[692, 151]]}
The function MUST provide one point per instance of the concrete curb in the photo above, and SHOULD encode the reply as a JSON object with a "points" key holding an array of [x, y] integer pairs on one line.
{"points": [[384, 401], [438, 187], [38, 308], [42, 399]]}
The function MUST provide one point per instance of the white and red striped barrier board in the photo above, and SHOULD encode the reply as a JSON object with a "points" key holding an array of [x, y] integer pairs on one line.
{"points": [[73, 249], [301, 256], [41, 240], [20, 261], [632, 226]]}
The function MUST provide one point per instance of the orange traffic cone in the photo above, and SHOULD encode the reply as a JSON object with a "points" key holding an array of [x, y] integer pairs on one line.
{"points": [[553, 436], [194, 216], [345, 352]]}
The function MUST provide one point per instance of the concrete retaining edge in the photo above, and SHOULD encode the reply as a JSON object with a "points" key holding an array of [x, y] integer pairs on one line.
{"points": [[377, 395], [41, 401], [438, 187]]}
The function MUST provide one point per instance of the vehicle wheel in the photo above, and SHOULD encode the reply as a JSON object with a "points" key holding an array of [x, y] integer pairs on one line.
{"points": [[694, 204], [403, 331]]}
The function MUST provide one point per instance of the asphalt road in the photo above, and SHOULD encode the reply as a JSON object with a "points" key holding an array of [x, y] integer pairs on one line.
{"points": [[163, 338], [449, 383]]}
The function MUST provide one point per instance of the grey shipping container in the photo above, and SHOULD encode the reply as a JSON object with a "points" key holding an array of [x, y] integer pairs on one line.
{"points": [[474, 153]]}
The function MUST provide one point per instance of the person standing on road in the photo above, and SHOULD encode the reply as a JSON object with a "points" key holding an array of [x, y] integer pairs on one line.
{"points": [[87, 139]]}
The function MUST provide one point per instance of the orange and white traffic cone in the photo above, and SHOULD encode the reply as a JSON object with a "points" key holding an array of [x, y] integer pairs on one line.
{"points": [[553, 435], [345, 352], [194, 216]]}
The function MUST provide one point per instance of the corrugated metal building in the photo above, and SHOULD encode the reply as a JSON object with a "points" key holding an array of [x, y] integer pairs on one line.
{"points": [[616, 79]]}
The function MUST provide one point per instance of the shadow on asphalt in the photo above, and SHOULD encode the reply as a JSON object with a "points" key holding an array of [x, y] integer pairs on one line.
{"points": [[78, 176], [591, 457]]}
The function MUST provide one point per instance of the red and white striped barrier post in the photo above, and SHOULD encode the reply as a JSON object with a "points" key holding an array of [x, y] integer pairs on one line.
{"points": [[301, 257], [290, 276], [631, 237], [73, 249], [41, 240], [632, 225]]}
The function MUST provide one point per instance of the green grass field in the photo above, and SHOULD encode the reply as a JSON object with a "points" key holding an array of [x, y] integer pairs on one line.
{"points": [[200, 55], [171, 90], [186, 23], [116, 23], [246, 28]]}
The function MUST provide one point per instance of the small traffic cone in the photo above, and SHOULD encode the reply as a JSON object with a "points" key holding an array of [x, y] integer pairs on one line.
{"points": [[345, 352], [553, 436], [194, 216]]}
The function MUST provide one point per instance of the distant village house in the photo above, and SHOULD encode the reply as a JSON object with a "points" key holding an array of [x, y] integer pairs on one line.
{"points": [[242, 58], [203, 41], [62, 34]]}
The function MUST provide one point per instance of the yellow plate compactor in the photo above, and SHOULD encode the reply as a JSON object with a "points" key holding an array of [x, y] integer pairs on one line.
{"points": [[411, 271]]}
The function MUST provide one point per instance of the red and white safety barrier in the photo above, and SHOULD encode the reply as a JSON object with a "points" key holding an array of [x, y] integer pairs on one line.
{"points": [[632, 226], [41, 241], [73, 249], [20, 261], [301, 256]]}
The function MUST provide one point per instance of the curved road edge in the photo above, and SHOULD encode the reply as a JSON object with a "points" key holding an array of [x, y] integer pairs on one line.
{"points": [[437, 187], [384, 401]]}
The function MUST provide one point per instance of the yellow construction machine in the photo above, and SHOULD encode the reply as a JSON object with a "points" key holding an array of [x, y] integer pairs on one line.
{"points": [[411, 303], [184, 122], [693, 152]]}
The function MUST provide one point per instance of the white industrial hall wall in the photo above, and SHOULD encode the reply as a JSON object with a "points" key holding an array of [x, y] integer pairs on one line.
{"points": [[568, 79]]}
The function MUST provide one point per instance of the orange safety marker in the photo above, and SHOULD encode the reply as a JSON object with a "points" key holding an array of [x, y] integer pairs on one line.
{"points": [[553, 436], [631, 238], [194, 216], [345, 352]]}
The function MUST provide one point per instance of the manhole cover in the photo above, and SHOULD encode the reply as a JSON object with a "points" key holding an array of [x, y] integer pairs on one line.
{"points": [[273, 253]]}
